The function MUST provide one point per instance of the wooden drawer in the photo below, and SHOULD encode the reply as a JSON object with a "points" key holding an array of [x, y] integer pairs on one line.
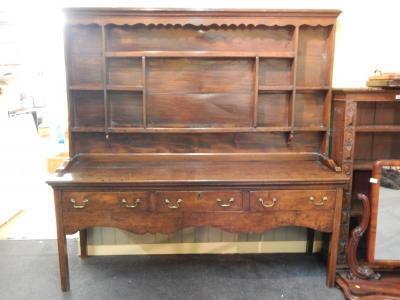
{"points": [[199, 201], [112, 201], [292, 200]]}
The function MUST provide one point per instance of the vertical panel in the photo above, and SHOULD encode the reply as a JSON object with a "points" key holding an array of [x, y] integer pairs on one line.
{"points": [[121, 237], [188, 235], [108, 236], [201, 235]]}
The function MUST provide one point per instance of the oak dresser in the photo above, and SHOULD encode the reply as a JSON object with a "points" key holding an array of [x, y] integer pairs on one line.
{"points": [[183, 118]]}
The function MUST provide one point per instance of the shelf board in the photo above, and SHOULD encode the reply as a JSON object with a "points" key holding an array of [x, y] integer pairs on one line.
{"points": [[87, 129], [378, 128], [200, 130], [363, 165], [134, 88], [312, 88], [275, 88], [272, 54], [311, 128], [86, 87], [196, 130]]}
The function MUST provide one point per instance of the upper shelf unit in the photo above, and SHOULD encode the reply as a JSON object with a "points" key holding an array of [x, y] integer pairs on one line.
{"points": [[275, 77]]}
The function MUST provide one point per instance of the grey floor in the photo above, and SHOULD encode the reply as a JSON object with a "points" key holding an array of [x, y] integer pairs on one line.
{"points": [[29, 270]]}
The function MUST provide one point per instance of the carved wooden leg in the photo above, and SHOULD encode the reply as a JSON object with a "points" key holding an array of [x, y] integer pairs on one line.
{"points": [[62, 243], [334, 241], [310, 241], [83, 242]]}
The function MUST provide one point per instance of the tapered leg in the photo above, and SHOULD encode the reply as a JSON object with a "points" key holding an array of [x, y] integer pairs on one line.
{"points": [[310, 241], [63, 261], [83, 242], [334, 240], [62, 243]]}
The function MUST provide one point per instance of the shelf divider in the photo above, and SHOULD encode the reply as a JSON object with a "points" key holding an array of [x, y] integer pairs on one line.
{"points": [[256, 79], [292, 107], [144, 93], [104, 69]]}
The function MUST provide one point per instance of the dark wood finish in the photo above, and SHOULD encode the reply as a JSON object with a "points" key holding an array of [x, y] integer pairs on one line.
{"points": [[291, 200], [371, 239], [310, 241], [365, 129], [83, 243], [61, 242], [198, 114], [357, 270], [387, 288], [361, 282]]}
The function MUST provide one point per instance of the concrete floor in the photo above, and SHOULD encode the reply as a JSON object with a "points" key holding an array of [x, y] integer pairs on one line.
{"points": [[29, 270]]}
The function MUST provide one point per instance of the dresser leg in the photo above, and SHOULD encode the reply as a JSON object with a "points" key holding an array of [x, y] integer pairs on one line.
{"points": [[310, 241], [83, 242], [63, 261], [334, 241], [62, 243]]}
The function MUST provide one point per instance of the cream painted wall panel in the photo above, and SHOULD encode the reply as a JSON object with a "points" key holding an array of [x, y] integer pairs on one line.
{"points": [[107, 236]]}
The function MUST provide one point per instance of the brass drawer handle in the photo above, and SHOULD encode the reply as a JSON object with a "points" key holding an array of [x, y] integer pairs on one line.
{"points": [[168, 202], [267, 205], [82, 205], [134, 204], [222, 204], [323, 202]]}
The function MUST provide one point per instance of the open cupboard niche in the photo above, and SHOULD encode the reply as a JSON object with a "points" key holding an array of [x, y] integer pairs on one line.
{"points": [[250, 79]]}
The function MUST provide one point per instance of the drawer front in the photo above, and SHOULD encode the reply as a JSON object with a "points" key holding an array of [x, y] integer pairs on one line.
{"points": [[199, 201], [111, 201], [292, 200]]}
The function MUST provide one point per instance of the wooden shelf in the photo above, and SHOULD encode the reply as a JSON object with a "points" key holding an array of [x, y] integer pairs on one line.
{"points": [[199, 130], [133, 88], [86, 87], [378, 128], [312, 88], [110, 87], [363, 165], [311, 128], [272, 54], [275, 88], [87, 129]]}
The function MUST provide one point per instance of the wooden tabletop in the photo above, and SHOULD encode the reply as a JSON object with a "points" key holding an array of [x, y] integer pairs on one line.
{"points": [[197, 170]]}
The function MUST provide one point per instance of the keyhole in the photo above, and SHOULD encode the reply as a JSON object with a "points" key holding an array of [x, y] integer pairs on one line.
{"points": [[198, 195]]}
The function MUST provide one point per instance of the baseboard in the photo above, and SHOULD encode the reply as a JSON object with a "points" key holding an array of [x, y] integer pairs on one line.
{"points": [[204, 248]]}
